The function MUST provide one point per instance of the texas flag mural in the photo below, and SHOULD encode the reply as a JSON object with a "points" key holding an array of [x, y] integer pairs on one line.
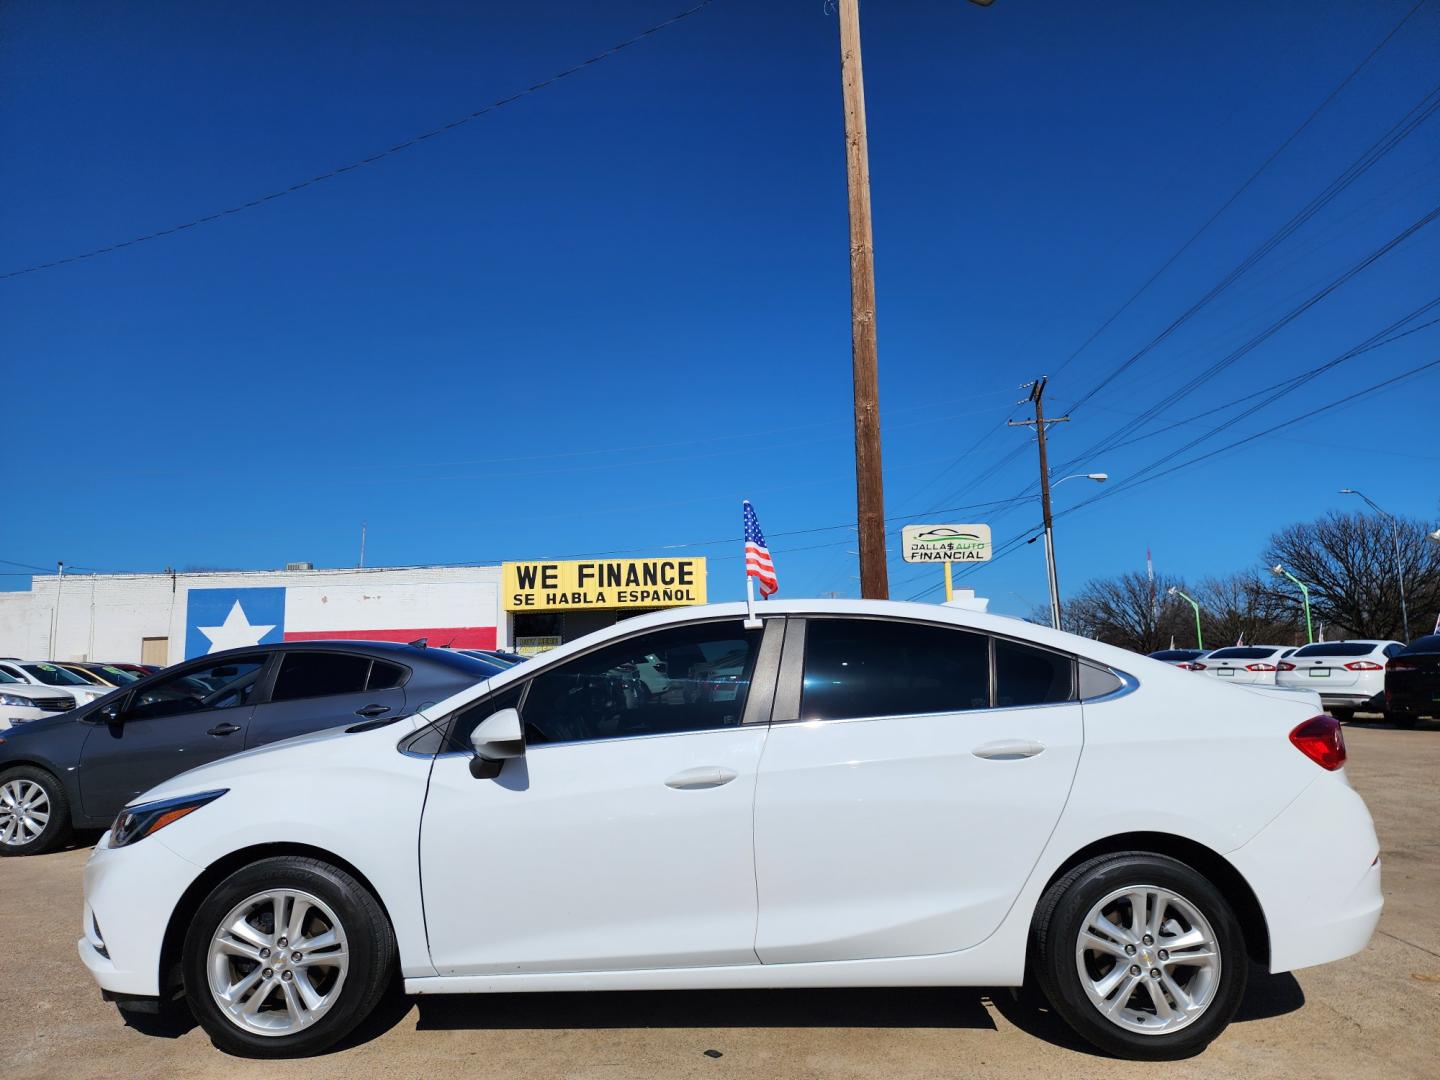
{"points": [[459, 614]]}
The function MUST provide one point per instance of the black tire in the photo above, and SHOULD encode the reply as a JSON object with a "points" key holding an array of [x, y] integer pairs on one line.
{"points": [[1060, 918], [58, 829], [371, 960], [1343, 715], [1402, 719]]}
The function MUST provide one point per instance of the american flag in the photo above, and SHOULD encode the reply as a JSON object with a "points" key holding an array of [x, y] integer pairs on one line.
{"points": [[757, 555]]}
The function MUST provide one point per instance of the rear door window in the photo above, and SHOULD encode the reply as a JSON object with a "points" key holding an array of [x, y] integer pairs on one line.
{"points": [[874, 667], [319, 674]]}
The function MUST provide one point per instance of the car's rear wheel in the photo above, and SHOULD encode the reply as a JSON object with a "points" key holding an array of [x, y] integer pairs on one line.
{"points": [[285, 957], [1344, 715], [1402, 719], [34, 812], [1141, 955]]}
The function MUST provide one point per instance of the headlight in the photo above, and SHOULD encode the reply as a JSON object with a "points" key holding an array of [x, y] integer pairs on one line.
{"points": [[17, 701], [137, 822]]}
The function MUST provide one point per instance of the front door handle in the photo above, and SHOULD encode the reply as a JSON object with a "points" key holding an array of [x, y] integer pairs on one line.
{"points": [[1008, 750], [371, 711], [226, 728], [706, 776]]}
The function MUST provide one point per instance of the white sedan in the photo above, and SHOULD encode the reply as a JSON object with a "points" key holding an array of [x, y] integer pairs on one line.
{"points": [[1253, 665], [1348, 675], [895, 795]]}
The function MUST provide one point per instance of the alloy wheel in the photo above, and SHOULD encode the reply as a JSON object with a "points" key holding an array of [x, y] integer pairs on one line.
{"points": [[24, 812], [277, 962], [1148, 960]]}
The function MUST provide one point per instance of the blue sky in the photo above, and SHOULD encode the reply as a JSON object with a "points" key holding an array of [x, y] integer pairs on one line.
{"points": [[598, 318]]}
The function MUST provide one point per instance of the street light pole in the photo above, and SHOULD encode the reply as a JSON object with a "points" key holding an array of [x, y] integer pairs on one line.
{"points": [[1399, 566], [1173, 591], [1304, 592]]}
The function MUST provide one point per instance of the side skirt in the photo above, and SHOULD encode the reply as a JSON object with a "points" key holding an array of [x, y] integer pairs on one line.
{"points": [[968, 968]]}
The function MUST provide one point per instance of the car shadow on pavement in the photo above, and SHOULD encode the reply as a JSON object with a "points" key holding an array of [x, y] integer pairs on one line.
{"points": [[1266, 996], [939, 1007]]}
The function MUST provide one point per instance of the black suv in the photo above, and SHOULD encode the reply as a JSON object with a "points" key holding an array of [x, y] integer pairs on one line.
{"points": [[77, 769]]}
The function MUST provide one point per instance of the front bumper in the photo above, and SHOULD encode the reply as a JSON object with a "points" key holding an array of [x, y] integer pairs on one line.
{"points": [[1316, 871], [130, 893]]}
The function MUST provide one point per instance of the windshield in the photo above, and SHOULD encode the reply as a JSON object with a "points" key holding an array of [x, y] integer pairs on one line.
{"points": [[51, 675], [6, 677], [118, 676]]}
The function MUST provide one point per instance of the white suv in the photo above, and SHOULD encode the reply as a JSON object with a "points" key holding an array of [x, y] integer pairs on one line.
{"points": [[53, 677], [1348, 675]]}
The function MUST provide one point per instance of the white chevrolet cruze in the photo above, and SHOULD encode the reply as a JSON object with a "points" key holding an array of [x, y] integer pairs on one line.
{"points": [[853, 793]]}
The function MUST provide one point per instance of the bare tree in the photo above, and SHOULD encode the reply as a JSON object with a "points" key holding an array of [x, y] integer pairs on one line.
{"points": [[1245, 606], [1129, 610], [1349, 563]]}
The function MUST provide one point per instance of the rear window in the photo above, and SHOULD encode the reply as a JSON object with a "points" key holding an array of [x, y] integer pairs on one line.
{"points": [[1428, 644], [1337, 648], [1245, 652], [1175, 655]]}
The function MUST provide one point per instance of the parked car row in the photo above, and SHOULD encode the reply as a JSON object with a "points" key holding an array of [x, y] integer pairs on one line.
{"points": [[33, 689], [1367, 675]]}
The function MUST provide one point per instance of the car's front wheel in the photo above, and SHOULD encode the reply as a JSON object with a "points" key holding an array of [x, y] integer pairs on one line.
{"points": [[34, 812], [285, 957], [1141, 955]]}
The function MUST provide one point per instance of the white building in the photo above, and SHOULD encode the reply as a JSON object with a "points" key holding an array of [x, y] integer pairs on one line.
{"points": [[165, 618], [168, 617]]}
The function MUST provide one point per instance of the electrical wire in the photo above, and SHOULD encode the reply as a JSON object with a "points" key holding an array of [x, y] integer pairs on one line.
{"points": [[414, 140]]}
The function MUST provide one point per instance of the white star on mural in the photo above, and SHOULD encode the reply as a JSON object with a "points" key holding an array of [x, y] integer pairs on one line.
{"points": [[237, 631]]}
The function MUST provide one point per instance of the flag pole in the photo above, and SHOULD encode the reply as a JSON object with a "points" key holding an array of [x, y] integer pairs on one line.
{"points": [[751, 622]]}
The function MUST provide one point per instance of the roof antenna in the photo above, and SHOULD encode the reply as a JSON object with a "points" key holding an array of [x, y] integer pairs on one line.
{"points": [[420, 642]]}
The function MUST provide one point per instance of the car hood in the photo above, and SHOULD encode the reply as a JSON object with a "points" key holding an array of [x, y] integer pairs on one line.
{"points": [[37, 727], [304, 752]]}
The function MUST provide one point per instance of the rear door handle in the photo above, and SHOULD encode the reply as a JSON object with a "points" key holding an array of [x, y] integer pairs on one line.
{"points": [[706, 776], [1008, 750], [226, 728], [373, 710]]}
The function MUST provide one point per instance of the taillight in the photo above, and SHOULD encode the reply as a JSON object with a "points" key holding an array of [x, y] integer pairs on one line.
{"points": [[1284, 665], [1321, 740], [1259, 667], [1364, 665], [1400, 663], [1197, 666]]}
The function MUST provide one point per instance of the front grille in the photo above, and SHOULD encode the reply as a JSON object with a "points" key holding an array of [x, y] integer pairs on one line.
{"points": [[57, 704]]}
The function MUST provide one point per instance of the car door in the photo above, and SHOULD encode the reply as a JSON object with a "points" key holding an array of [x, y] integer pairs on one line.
{"points": [[161, 729], [912, 776], [316, 689], [623, 837]]}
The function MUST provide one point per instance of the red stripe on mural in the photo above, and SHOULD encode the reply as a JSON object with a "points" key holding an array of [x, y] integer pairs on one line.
{"points": [[459, 637]]}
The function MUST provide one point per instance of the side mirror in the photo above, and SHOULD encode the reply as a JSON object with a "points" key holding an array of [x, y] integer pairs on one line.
{"points": [[495, 740], [110, 713]]}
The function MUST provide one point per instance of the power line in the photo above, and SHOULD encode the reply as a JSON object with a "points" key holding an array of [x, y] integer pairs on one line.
{"points": [[414, 140], [1397, 133], [1243, 187]]}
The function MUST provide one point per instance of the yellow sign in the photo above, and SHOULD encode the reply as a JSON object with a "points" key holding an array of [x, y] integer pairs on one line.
{"points": [[602, 583]]}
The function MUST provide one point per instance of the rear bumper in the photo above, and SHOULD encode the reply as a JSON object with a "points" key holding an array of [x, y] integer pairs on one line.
{"points": [[1316, 871], [129, 895]]}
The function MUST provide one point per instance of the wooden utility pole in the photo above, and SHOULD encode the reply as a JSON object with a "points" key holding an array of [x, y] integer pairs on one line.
{"points": [[1037, 394], [869, 487]]}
